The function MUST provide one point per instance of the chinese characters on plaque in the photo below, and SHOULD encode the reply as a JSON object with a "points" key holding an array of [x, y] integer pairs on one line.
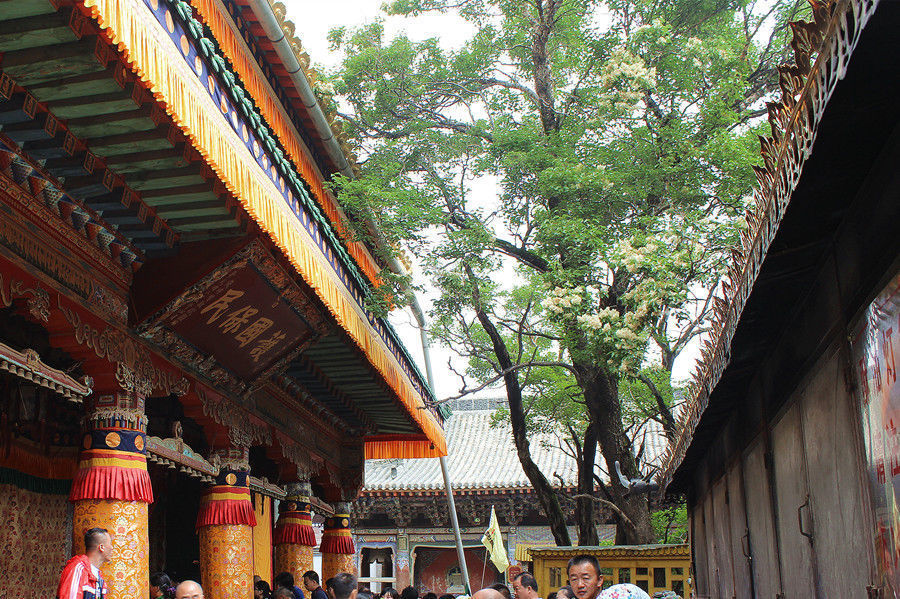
{"points": [[243, 321]]}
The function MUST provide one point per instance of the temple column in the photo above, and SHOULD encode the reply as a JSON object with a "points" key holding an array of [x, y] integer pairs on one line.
{"points": [[112, 488], [337, 544], [402, 575], [294, 538], [225, 524]]}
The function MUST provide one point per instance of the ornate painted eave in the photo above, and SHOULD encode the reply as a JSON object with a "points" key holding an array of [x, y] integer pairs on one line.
{"points": [[264, 487], [821, 55], [200, 94], [25, 181], [28, 366], [278, 137], [175, 453]]}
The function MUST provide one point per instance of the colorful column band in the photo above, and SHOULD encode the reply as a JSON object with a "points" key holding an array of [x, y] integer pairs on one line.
{"points": [[228, 502], [113, 465], [294, 524], [336, 537]]}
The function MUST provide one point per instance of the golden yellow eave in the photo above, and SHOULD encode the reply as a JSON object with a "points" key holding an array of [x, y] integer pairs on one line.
{"points": [[131, 26]]}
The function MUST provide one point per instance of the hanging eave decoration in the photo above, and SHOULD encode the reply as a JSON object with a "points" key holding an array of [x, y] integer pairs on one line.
{"points": [[215, 131]]}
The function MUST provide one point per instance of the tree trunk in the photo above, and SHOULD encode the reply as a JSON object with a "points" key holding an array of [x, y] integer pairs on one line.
{"points": [[601, 394], [545, 492], [543, 76], [584, 505]]}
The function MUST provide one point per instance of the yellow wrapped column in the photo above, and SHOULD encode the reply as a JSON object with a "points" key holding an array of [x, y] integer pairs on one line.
{"points": [[226, 561], [294, 538], [338, 553], [112, 488], [225, 524], [127, 574]]}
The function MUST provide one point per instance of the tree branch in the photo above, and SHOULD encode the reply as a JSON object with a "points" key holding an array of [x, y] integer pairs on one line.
{"points": [[606, 503], [668, 421], [501, 375]]}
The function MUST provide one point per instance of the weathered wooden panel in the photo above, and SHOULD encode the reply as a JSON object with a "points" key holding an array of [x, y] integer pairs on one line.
{"points": [[711, 550], [699, 552], [761, 522], [739, 534], [722, 536], [835, 483], [791, 496]]}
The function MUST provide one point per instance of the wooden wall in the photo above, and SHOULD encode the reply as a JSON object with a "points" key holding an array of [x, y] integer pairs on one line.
{"points": [[790, 513]]}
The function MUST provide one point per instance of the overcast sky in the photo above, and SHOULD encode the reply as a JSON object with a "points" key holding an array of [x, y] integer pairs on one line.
{"points": [[313, 21]]}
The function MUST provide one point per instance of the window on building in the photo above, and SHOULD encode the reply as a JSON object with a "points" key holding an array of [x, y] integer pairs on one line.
{"points": [[454, 577], [659, 578], [555, 578], [607, 574], [376, 568]]}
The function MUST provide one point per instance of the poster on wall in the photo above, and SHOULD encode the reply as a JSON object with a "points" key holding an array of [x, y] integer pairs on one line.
{"points": [[874, 344]]}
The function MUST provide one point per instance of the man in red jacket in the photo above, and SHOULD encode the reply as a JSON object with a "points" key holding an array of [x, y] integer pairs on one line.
{"points": [[81, 577]]}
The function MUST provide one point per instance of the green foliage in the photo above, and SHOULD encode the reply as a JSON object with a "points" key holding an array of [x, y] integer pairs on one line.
{"points": [[670, 524], [618, 138]]}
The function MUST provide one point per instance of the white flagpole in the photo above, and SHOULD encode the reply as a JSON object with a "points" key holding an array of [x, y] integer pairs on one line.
{"points": [[451, 505]]}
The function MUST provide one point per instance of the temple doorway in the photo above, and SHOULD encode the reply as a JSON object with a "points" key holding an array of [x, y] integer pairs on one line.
{"points": [[376, 568], [174, 545]]}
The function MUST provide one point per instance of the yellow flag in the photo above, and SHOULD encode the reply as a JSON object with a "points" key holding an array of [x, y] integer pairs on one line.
{"points": [[493, 540]]}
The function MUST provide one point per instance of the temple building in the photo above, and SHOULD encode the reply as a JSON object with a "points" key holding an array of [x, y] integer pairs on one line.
{"points": [[790, 457], [401, 525], [184, 336]]}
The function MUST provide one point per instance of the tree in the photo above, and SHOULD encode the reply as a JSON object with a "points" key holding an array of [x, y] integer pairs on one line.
{"points": [[619, 139]]}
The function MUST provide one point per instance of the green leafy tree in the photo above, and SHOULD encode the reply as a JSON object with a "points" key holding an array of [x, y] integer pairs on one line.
{"points": [[618, 137]]}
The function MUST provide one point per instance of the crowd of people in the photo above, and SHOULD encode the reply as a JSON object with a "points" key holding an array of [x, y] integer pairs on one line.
{"points": [[82, 579]]}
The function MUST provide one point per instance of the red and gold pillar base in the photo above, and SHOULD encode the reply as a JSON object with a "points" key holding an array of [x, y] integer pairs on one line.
{"points": [[294, 538], [225, 524], [112, 489], [338, 552]]}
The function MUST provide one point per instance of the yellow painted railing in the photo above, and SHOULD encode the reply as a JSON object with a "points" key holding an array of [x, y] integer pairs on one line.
{"points": [[650, 567]]}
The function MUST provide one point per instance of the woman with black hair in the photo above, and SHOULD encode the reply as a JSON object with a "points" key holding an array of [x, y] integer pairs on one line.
{"points": [[161, 586], [261, 590]]}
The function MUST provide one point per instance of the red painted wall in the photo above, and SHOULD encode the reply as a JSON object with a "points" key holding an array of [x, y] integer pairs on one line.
{"points": [[434, 576]]}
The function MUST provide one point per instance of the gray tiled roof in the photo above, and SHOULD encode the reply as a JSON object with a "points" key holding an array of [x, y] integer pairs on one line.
{"points": [[480, 457], [484, 457]]}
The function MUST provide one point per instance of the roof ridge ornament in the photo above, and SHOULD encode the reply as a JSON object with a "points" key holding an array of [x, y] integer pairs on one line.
{"points": [[806, 87]]}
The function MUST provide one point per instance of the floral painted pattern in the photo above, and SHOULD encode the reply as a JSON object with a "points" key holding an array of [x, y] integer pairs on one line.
{"points": [[296, 559], [127, 574], [226, 561], [32, 542], [335, 563]]}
